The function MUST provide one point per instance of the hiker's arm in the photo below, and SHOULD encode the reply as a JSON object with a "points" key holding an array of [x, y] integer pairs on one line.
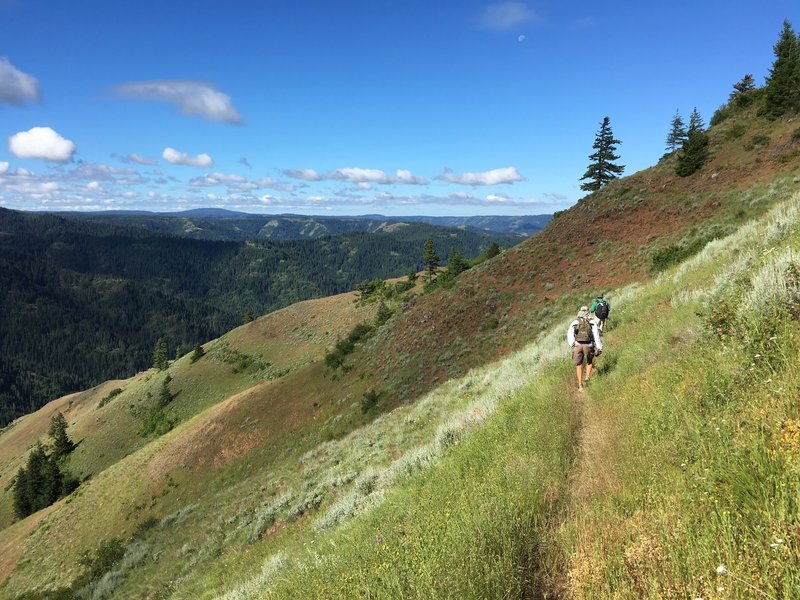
{"points": [[598, 340], [571, 334]]}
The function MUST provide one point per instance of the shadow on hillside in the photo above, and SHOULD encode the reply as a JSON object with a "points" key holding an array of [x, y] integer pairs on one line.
{"points": [[605, 364]]}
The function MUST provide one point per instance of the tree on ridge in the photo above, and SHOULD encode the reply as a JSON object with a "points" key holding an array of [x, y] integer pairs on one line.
{"points": [[602, 169], [677, 133]]}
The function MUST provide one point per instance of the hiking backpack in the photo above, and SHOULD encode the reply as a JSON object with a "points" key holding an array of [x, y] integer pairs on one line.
{"points": [[583, 331], [601, 310]]}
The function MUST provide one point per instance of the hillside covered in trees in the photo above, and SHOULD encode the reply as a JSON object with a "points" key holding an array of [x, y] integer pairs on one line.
{"points": [[224, 225], [86, 301]]}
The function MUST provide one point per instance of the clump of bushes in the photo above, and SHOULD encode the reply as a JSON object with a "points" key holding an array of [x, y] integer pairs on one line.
{"points": [[334, 359], [109, 397]]}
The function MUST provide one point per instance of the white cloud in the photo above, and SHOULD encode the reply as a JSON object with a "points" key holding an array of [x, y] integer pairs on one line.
{"points": [[93, 185], [98, 171], [3, 167], [16, 87], [41, 142], [405, 176], [506, 15], [132, 157], [358, 176], [172, 156], [213, 179], [304, 174], [493, 177], [193, 98], [497, 198]]}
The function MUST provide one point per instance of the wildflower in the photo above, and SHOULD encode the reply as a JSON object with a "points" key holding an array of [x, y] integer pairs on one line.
{"points": [[720, 589], [722, 570]]}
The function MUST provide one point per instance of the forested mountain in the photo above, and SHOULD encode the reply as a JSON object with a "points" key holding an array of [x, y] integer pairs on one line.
{"points": [[86, 301], [218, 224]]}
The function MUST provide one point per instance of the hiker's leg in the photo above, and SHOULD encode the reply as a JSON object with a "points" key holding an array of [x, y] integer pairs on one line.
{"points": [[579, 370], [589, 362]]}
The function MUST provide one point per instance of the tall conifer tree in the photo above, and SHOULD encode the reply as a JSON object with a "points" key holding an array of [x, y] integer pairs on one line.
{"points": [[741, 95], [677, 133], [783, 82], [431, 259], [696, 122], [62, 445], [160, 360], [602, 169]]}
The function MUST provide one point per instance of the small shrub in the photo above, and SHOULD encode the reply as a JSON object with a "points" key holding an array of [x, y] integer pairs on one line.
{"points": [[757, 141], [384, 314], [370, 289], [108, 398], [369, 401], [106, 556], [156, 423], [736, 131], [334, 359], [198, 353], [721, 114]]}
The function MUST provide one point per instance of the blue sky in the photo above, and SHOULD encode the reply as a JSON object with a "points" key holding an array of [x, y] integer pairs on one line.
{"points": [[353, 107]]}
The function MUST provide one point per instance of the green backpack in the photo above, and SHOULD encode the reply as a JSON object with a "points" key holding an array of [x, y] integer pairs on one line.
{"points": [[583, 331]]}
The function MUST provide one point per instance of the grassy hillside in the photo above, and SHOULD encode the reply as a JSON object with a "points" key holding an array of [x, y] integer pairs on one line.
{"points": [[427, 467]]}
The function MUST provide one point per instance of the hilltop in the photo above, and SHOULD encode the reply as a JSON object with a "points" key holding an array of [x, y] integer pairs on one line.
{"points": [[421, 466], [226, 225]]}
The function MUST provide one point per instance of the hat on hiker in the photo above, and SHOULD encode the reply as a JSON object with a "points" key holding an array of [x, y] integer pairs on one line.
{"points": [[583, 311]]}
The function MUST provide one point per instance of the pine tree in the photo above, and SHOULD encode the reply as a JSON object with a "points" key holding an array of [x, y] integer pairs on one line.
{"points": [[602, 169], [783, 82], [62, 445], [741, 96], [695, 123], [160, 361], [492, 251], [22, 500], [198, 353], [431, 259], [35, 483], [165, 395], [677, 133], [384, 314], [456, 263], [694, 153]]}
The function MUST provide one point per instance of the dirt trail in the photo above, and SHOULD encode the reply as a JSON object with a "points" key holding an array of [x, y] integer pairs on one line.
{"points": [[596, 428]]}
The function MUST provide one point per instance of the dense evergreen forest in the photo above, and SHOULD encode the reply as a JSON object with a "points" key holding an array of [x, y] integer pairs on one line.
{"points": [[86, 301], [225, 225]]}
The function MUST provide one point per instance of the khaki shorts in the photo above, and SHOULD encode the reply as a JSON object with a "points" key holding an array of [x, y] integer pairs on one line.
{"points": [[580, 351]]}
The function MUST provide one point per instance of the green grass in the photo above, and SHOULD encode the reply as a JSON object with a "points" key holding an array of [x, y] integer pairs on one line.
{"points": [[706, 469], [684, 455], [689, 459]]}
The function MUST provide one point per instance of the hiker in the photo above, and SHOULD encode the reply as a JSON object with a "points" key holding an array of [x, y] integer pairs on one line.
{"points": [[600, 309], [583, 337]]}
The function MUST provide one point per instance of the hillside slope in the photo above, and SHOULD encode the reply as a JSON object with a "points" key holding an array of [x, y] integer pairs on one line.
{"points": [[87, 301], [271, 451]]}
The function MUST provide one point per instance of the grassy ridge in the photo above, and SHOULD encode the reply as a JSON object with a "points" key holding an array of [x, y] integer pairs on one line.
{"points": [[687, 476], [686, 456], [703, 497]]}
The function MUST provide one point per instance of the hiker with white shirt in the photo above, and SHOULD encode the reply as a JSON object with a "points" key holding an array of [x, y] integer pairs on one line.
{"points": [[583, 336]]}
